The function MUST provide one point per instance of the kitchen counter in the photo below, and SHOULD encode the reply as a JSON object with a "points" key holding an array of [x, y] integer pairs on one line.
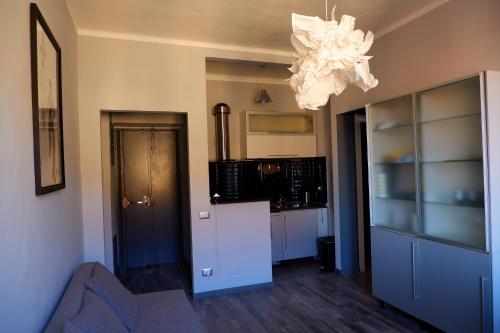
{"points": [[273, 208], [233, 201], [284, 209]]}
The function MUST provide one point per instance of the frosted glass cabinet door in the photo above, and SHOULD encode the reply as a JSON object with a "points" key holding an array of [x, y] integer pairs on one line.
{"points": [[393, 165], [451, 163]]}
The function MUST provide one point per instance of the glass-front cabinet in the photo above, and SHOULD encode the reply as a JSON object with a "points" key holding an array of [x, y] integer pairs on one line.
{"points": [[426, 163], [435, 203]]}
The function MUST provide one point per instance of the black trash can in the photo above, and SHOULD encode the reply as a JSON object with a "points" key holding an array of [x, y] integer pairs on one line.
{"points": [[326, 253]]}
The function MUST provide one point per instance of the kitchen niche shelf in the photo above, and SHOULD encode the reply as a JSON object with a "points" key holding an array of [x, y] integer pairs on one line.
{"points": [[432, 248]]}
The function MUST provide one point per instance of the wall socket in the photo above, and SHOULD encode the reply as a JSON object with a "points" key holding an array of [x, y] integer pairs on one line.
{"points": [[204, 215], [206, 272]]}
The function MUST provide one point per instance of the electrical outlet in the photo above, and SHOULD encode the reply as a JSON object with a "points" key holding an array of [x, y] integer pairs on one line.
{"points": [[206, 272]]}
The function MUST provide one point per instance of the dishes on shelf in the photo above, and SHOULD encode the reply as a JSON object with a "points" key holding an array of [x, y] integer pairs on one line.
{"points": [[468, 198], [398, 157]]}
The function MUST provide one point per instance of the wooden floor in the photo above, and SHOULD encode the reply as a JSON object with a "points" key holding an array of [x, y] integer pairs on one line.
{"points": [[302, 300]]}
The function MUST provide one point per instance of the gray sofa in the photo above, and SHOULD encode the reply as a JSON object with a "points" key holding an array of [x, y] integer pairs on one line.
{"points": [[167, 311]]}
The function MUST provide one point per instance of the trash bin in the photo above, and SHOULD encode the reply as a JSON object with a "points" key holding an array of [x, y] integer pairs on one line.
{"points": [[326, 253]]}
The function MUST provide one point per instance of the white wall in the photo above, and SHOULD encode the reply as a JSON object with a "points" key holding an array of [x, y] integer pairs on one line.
{"points": [[40, 237], [142, 76], [458, 38], [243, 246]]}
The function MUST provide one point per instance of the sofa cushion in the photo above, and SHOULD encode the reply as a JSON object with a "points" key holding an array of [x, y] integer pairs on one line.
{"points": [[96, 316], [71, 301], [69, 327], [166, 311], [105, 285]]}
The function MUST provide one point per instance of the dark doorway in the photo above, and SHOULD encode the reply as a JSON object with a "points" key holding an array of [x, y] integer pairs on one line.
{"points": [[366, 197], [363, 197], [151, 223], [353, 192]]}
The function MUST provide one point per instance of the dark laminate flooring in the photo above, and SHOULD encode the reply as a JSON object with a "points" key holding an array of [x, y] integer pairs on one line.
{"points": [[302, 300]]}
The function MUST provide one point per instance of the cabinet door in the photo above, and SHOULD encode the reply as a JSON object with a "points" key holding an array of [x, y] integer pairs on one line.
{"points": [[277, 237], [451, 163], [322, 222], [392, 165], [394, 269], [301, 232], [456, 287], [278, 145]]}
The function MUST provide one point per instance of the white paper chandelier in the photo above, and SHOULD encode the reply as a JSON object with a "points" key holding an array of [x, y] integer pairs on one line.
{"points": [[329, 56]]}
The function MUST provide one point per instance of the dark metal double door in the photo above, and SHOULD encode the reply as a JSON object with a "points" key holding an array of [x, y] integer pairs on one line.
{"points": [[149, 195]]}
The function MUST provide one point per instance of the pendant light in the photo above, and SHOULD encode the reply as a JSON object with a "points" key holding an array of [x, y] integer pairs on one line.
{"points": [[263, 96], [329, 55]]}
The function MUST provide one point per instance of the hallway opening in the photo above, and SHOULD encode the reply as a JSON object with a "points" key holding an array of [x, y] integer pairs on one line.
{"points": [[145, 182]]}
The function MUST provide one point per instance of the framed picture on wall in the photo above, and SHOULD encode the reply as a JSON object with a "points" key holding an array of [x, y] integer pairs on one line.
{"points": [[47, 106]]}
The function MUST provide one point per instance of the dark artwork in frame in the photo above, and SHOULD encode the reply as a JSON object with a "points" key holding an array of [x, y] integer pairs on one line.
{"points": [[47, 106]]}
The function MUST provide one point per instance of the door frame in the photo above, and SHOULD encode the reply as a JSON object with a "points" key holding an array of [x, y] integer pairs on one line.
{"points": [[351, 222]]}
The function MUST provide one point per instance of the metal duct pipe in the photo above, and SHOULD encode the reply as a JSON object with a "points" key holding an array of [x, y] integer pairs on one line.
{"points": [[221, 113]]}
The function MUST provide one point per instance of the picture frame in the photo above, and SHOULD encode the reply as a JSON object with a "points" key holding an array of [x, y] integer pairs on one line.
{"points": [[47, 106]]}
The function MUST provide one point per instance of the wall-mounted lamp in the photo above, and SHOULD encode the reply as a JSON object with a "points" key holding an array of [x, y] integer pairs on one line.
{"points": [[263, 97]]}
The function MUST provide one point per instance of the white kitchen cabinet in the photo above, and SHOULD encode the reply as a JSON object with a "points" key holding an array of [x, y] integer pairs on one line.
{"points": [[301, 232], [277, 232], [294, 233], [322, 222], [278, 134], [277, 146]]}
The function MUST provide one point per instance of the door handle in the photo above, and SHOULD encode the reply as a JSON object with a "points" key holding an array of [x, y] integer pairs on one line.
{"points": [[413, 271], [147, 201], [482, 281], [284, 227]]}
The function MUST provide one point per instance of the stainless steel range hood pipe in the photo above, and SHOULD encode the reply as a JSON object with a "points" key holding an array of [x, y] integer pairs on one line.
{"points": [[221, 113]]}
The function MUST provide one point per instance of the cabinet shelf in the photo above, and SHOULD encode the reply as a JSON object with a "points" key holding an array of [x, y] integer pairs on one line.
{"points": [[394, 163], [450, 118], [396, 198], [454, 161], [381, 129], [479, 205]]}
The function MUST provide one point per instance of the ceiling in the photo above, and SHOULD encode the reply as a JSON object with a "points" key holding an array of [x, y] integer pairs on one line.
{"points": [[246, 23], [247, 71]]}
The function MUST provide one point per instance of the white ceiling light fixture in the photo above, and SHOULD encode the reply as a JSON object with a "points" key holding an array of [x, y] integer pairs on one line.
{"points": [[329, 56]]}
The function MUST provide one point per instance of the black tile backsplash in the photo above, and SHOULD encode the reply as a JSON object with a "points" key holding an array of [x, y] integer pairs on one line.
{"points": [[287, 179]]}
